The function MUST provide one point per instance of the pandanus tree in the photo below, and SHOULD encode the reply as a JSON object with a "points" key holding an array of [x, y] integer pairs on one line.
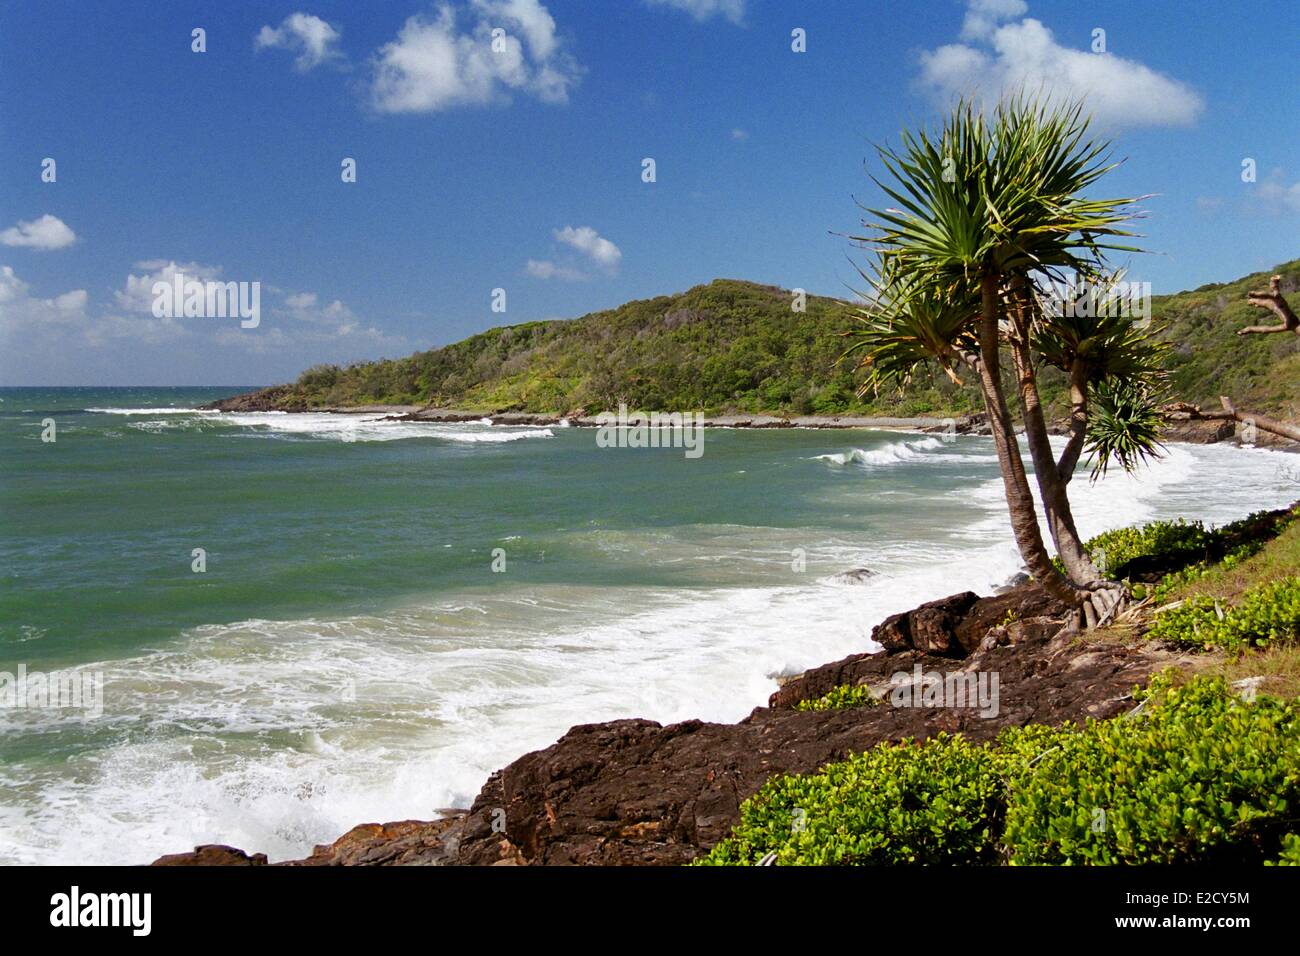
{"points": [[994, 213]]}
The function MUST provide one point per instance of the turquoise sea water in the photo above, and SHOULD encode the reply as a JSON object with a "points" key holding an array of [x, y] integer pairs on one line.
{"points": [[349, 653]]}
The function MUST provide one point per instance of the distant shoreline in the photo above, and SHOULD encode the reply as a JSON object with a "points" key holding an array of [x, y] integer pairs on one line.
{"points": [[710, 421], [1178, 431], [421, 413]]}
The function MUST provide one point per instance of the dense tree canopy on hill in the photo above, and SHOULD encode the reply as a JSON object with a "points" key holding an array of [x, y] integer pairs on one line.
{"points": [[733, 345]]}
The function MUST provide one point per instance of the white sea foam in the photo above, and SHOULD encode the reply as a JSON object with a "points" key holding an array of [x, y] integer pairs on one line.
{"points": [[890, 454], [153, 411], [443, 696], [328, 426], [276, 735]]}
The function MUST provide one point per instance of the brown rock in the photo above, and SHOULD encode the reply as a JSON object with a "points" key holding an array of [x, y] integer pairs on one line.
{"points": [[212, 854], [405, 843]]}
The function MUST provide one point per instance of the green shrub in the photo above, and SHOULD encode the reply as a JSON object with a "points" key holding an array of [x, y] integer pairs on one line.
{"points": [[1200, 777], [1171, 541], [1181, 547], [1194, 622], [1194, 572], [1267, 613], [1290, 852], [1196, 775], [846, 695], [941, 802]]}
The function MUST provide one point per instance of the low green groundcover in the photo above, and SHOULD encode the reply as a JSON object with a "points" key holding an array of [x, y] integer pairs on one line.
{"points": [[1194, 775], [846, 695], [1267, 613]]}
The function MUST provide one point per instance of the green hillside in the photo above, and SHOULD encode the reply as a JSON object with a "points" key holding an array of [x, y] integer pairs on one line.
{"points": [[1260, 372], [728, 345], [738, 346]]}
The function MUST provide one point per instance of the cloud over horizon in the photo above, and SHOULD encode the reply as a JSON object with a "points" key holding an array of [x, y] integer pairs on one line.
{"points": [[584, 240], [1000, 54], [68, 331]]}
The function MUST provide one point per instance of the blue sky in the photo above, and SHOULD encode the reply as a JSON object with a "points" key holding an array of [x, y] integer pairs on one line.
{"points": [[520, 168]]}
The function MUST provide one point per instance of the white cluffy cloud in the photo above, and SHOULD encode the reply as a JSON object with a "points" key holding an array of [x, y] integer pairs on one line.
{"points": [[434, 64], [1002, 54], [18, 307], [983, 16], [65, 337], [334, 318], [62, 323], [137, 295], [300, 300], [48, 232], [300, 321], [546, 269], [586, 240], [733, 10], [314, 40]]}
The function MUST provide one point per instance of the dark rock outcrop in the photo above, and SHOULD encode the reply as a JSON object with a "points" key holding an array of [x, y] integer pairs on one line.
{"points": [[635, 792], [212, 854], [278, 398], [1199, 432], [853, 576], [409, 842]]}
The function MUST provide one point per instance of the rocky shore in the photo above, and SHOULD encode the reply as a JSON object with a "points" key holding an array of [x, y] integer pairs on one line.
{"points": [[271, 399], [1180, 425], [637, 792]]}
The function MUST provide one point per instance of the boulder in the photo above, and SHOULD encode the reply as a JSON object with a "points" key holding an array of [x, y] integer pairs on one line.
{"points": [[212, 854]]}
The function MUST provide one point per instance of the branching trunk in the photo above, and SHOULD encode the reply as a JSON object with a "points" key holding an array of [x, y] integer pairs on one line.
{"points": [[1181, 411], [1020, 501], [1051, 488], [1274, 301], [1262, 422]]}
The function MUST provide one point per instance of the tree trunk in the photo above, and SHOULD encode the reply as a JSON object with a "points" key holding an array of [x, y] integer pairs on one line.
{"points": [[1078, 421], [1259, 421], [1020, 501], [1273, 300], [1051, 488]]}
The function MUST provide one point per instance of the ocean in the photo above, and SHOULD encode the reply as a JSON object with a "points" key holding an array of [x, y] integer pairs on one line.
{"points": [[308, 621]]}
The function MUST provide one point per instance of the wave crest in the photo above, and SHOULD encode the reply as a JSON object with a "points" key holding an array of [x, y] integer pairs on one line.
{"points": [[890, 454]]}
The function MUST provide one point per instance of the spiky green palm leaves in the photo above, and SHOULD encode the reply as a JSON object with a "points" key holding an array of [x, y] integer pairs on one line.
{"points": [[1125, 425], [1097, 320], [1001, 197], [896, 338], [1121, 364]]}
